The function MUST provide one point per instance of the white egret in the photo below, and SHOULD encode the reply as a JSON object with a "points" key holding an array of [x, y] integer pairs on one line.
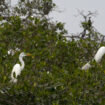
{"points": [[16, 71], [98, 56], [100, 53]]}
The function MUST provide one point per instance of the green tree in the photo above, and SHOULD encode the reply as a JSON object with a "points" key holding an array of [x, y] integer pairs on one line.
{"points": [[53, 76]]}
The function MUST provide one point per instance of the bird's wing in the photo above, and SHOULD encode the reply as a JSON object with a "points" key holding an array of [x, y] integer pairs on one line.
{"points": [[16, 66], [100, 53], [16, 69]]}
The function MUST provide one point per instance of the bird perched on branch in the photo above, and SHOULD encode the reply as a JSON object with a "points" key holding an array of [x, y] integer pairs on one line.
{"points": [[17, 68], [98, 57], [89, 22]]}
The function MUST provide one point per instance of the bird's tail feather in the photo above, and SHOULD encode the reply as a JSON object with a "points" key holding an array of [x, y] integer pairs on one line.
{"points": [[13, 80]]}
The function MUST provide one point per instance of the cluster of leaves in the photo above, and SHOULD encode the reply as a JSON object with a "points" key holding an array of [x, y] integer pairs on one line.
{"points": [[54, 75], [33, 7]]}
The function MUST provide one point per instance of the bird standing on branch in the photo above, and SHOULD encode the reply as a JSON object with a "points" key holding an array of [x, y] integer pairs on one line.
{"points": [[16, 71], [89, 22], [98, 57]]}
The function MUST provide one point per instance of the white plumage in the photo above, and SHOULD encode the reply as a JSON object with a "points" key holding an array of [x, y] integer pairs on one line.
{"points": [[98, 56], [100, 53], [86, 66], [16, 71]]}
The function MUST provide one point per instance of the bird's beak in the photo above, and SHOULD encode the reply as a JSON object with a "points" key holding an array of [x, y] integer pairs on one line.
{"points": [[28, 54]]}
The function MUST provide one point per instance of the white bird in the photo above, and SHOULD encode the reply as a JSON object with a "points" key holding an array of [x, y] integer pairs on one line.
{"points": [[100, 53], [16, 71], [98, 56]]}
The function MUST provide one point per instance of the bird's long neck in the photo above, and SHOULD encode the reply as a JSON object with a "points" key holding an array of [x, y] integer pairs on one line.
{"points": [[22, 62]]}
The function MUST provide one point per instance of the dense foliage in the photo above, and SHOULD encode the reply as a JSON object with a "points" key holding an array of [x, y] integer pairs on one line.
{"points": [[53, 76]]}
